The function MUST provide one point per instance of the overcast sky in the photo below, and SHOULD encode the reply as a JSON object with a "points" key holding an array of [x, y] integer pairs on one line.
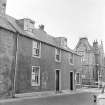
{"points": [[70, 18]]}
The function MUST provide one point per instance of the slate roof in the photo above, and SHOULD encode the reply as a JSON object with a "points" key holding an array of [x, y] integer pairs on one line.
{"points": [[10, 23], [13, 23], [4, 24]]}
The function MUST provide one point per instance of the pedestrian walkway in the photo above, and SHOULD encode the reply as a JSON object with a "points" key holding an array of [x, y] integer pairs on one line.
{"points": [[101, 99], [23, 96], [53, 93], [94, 90]]}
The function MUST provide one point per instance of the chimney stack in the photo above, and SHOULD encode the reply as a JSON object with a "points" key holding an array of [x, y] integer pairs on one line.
{"points": [[41, 27], [3, 7], [95, 44]]}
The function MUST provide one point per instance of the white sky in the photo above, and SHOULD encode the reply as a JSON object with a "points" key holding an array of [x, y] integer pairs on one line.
{"points": [[70, 18]]}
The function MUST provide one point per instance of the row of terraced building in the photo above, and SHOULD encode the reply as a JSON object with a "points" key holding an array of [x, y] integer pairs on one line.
{"points": [[32, 60]]}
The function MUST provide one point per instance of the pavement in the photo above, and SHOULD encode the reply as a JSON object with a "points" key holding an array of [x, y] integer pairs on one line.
{"points": [[101, 99], [43, 94]]}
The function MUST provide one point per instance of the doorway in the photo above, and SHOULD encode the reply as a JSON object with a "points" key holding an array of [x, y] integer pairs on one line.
{"points": [[71, 80], [57, 78]]}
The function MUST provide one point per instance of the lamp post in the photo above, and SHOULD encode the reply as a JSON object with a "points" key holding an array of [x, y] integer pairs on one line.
{"points": [[96, 74], [99, 77], [97, 71]]}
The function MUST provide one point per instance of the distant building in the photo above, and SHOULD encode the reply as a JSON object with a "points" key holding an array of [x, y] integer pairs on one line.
{"points": [[92, 58], [32, 60]]}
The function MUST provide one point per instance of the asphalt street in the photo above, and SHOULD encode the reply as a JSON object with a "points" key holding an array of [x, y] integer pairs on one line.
{"points": [[74, 99]]}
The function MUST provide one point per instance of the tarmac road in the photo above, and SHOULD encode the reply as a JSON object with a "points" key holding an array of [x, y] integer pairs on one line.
{"points": [[84, 98]]}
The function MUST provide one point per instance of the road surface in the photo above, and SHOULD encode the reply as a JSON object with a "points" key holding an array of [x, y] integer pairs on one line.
{"points": [[74, 99]]}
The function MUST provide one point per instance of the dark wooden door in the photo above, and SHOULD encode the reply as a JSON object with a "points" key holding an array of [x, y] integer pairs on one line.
{"points": [[57, 80], [71, 80]]}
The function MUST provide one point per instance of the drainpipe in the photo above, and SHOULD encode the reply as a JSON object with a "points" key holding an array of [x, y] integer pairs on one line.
{"points": [[15, 70]]}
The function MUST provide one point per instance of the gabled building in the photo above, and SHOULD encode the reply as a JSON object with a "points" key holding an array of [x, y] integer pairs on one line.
{"points": [[32, 60], [92, 58]]}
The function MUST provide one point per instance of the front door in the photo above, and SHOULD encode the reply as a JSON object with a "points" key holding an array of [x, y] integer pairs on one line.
{"points": [[57, 80], [71, 80]]}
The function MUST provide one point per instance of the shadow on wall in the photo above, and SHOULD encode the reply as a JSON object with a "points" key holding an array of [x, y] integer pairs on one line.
{"points": [[5, 69], [23, 74]]}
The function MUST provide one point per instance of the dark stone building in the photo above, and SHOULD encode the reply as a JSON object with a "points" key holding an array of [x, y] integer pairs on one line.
{"points": [[32, 60]]}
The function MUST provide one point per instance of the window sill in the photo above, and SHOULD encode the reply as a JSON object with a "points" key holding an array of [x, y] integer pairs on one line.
{"points": [[36, 56], [78, 84], [35, 85], [58, 61], [71, 64]]}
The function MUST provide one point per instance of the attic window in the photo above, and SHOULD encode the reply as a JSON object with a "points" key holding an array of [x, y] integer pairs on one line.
{"points": [[28, 25]]}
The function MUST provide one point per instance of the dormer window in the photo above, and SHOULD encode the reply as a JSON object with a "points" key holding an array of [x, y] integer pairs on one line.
{"points": [[28, 25], [57, 55]]}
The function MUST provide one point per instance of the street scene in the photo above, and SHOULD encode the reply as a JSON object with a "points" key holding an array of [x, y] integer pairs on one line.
{"points": [[52, 53]]}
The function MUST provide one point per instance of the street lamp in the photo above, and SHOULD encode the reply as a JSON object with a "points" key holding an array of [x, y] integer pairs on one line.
{"points": [[99, 77], [96, 75]]}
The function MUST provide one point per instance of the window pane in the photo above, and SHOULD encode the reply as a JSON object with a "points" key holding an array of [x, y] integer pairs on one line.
{"points": [[38, 45], [36, 48], [35, 76], [57, 57], [36, 52], [57, 54], [58, 51], [78, 77], [36, 79], [71, 58], [37, 70], [25, 25], [35, 44]]}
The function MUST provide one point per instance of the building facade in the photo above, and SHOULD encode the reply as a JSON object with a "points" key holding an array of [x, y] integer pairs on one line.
{"points": [[92, 58], [41, 66], [32, 60]]}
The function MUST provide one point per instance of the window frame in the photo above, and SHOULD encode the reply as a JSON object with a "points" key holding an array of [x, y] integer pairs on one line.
{"points": [[28, 26], [33, 48], [78, 83], [59, 55], [34, 74], [72, 58]]}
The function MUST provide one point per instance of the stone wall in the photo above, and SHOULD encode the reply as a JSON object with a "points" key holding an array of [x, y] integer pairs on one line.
{"points": [[6, 60]]}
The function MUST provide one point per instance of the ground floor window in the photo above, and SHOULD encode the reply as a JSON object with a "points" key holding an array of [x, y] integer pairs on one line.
{"points": [[35, 80], [77, 78]]}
